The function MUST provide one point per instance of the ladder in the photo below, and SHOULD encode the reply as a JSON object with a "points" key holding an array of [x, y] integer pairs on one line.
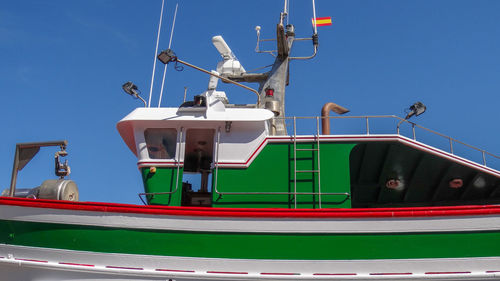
{"points": [[312, 171]]}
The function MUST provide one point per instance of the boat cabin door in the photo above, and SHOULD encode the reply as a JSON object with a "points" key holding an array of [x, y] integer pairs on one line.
{"points": [[198, 159]]}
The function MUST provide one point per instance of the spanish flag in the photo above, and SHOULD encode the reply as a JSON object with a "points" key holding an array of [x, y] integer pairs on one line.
{"points": [[322, 21]]}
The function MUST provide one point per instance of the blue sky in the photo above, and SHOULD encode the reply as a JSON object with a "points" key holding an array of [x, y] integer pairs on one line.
{"points": [[62, 64]]}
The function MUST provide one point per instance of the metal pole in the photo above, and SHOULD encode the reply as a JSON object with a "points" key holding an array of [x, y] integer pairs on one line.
{"points": [[295, 162], [13, 179], [169, 44], [367, 127], [221, 78], [319, 161], [314, 18], [156, 54], [217, 161]]}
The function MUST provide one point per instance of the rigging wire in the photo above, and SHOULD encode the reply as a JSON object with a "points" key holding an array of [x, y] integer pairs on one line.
{"points": [[169, 45], [156, 53]]}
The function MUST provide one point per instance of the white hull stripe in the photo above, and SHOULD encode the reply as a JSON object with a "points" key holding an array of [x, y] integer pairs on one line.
{"points": [[252, 225], [224, 269]]}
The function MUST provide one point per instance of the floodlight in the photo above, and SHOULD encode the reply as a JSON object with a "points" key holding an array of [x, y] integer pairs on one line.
{"points": [[131, 89], [416, 109], [167, 56]]}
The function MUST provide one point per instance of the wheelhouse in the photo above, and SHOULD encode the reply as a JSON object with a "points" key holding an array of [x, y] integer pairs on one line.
{"points": [[221, 155]]}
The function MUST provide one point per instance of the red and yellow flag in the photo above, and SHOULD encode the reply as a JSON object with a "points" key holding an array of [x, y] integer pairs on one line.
{"points": [[322, 21]]}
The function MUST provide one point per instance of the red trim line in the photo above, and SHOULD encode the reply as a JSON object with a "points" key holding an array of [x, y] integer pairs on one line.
{"points": [[335, 274], [450, 272], [30, 260], [226, 272], [157, 163], [492, 271], [175, 270], [122, 267], [278, 273], [78, 264], [391, 273], [472, 210]]}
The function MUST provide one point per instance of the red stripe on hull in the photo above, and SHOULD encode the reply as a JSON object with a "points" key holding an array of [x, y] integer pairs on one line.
{"points": [[479, 210]]}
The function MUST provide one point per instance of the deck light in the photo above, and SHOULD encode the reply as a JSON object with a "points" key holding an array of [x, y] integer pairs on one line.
{"points": [[456, 183], [167, 56], [394, 184], [479, 182], [131, 89], [416, 109]]}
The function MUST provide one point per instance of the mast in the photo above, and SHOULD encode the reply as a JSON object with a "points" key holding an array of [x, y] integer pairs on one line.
{"points": [[273, 83]]}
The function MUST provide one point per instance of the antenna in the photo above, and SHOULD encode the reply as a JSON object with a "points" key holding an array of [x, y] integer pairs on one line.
{"points": [[314, 18], [169, 44], [156, 53], [285, 10]]}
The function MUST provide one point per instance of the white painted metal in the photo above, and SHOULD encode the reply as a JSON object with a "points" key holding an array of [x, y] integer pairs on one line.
{"points": [[29, 263]]}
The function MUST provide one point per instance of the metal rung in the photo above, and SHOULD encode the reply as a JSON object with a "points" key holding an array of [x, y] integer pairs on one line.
{"points": [[307, 171]]}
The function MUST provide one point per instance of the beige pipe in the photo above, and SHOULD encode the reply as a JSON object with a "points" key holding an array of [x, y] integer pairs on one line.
{"points": [[325, 113]]}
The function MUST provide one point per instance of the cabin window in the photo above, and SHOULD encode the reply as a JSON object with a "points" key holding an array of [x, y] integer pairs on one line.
{"points": [[161, 143]]}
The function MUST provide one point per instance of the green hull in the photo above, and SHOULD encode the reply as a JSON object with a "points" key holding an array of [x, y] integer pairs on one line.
{"points": [[283, 246]]}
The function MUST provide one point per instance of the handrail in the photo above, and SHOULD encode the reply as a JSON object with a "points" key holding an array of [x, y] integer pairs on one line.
{"points": [[295, 161], [414, 134], [347, 195], [178, 163], [294, 192], [319, 161]]}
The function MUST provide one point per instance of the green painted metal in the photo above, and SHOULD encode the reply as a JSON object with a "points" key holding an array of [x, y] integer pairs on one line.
{"points": [[273, 171], [163, 180], [292, 246]]}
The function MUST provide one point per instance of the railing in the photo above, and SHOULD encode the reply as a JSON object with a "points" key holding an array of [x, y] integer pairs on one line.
{"points": [[398, 127], [177, 164], [220, 194]]}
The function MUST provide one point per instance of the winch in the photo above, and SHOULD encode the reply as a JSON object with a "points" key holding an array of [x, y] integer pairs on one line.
{"points": [[55, 189]]}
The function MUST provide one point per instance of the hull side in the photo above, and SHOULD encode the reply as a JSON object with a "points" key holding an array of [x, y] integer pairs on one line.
{"points": [[31, 263], [98, 241]]}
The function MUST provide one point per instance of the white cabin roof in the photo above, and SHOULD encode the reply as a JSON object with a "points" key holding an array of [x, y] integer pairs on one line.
{"points": [[160, 117]]}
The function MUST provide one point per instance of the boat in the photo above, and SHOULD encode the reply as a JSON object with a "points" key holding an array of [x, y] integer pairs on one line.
{"points": [[233, 192]]}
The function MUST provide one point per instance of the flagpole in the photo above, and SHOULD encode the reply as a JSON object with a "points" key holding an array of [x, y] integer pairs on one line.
{"points": [[314, 18]]}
